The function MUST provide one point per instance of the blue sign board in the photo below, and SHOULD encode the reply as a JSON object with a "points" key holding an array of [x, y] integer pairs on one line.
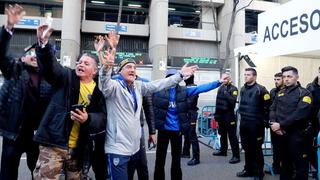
{"points": [[29, 22], [110, 27], [192, 34]]}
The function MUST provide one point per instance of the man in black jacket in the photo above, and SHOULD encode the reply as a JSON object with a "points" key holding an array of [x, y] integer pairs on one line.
{"points": [[278, 81], [254, 108], [24, 97], [225, 116], [289, 115], [171, 111], [190, 137], [314, 88], [64, 132]]}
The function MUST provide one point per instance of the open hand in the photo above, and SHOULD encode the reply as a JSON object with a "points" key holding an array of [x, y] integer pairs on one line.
{"points": [[14, 14], [112, 39], [188, 71], [99, 43], [225, 78], [41, 30]]}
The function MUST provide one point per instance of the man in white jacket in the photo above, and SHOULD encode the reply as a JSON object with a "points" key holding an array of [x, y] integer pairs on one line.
{"points": [[123, 101]]}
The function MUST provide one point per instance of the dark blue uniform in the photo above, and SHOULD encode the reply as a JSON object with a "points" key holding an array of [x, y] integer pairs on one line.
{"points": [[254, 107], [291, 109]]}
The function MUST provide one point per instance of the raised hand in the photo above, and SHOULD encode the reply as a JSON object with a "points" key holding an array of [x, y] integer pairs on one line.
{"points": [[14, 14], [44, 38], [188, 71], [108, 59], [225, 78], [112, 39], [99, 43]]}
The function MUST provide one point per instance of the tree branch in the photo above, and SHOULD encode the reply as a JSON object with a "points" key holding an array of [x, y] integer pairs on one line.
{"points": [[244, 6]]}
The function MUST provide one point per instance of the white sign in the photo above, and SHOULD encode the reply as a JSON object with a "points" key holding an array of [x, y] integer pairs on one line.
{"points": [[162, 65], [66, 61], [290, 28]]}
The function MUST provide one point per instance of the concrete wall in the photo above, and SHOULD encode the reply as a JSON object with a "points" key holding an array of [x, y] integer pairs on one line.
{"points": [[188, 48], [193, 34]]}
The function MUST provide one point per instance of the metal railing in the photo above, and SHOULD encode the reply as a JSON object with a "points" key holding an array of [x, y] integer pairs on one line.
{"points": [[208, 126], [112, 17]]}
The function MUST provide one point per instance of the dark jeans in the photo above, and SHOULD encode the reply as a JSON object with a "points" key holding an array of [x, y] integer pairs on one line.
{"points": [[95, 157], [11, 154], [164, 137], [252, 136], [228, 128], [139, 162], [294, 158], [190, 138], [275, 140]]}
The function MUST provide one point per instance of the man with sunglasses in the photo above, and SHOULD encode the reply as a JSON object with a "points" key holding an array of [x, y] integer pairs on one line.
{"points": [[24, 97]]}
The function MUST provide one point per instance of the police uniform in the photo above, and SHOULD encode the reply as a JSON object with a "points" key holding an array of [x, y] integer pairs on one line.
{"points": [[291, 109], [275, 139], [314, 89], [225, 116], [254, 106]]}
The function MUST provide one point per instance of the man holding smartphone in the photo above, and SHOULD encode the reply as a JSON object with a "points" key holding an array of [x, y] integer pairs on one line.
{"points": [[63, 133]]}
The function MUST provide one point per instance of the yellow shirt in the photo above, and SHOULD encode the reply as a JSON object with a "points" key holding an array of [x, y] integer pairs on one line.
{"points": [[86, 91]]}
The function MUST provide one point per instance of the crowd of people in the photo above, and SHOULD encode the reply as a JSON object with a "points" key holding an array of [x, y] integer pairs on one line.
{"points": [[69, 120]]}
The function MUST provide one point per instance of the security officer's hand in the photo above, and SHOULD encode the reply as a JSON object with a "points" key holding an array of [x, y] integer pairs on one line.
{"points": [[275, 126]]}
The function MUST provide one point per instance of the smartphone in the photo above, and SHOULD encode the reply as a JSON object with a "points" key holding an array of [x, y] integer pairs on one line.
{"points": [[77, 106]]}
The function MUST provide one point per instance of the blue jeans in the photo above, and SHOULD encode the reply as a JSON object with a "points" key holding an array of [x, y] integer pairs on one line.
{"points": [[118, 166]]}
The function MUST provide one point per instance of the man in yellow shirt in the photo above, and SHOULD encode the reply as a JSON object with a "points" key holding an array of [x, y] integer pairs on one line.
{"points": [[64, 133]]}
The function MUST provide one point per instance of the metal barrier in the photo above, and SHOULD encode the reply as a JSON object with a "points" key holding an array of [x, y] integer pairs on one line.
{"points": [[267, 153], [208, 126]]}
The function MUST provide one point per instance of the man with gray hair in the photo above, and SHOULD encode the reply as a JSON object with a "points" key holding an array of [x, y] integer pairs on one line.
{"points": [[124, 101]]}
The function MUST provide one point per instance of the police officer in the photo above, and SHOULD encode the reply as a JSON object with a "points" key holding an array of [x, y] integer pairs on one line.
{"points": [[314, 88], [289, 119], [274, 137], [254, 105], [190, 137], [225, 116]]}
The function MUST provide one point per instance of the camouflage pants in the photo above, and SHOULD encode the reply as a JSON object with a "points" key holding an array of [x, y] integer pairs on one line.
{"points": [[51, 161]]}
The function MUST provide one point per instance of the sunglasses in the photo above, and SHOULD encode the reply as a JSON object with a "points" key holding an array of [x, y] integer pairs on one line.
{"points": [[30, 53]]}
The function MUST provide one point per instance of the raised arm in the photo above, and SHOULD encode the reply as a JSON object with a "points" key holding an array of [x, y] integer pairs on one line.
{"points": [[191, 91], [14, 15], [158, 85], [106, 85], [52, 70]]}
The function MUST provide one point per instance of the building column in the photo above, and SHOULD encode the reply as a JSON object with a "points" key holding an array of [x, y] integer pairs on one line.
{"points": [[158, 41], [70, 33], [207, 18]]}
